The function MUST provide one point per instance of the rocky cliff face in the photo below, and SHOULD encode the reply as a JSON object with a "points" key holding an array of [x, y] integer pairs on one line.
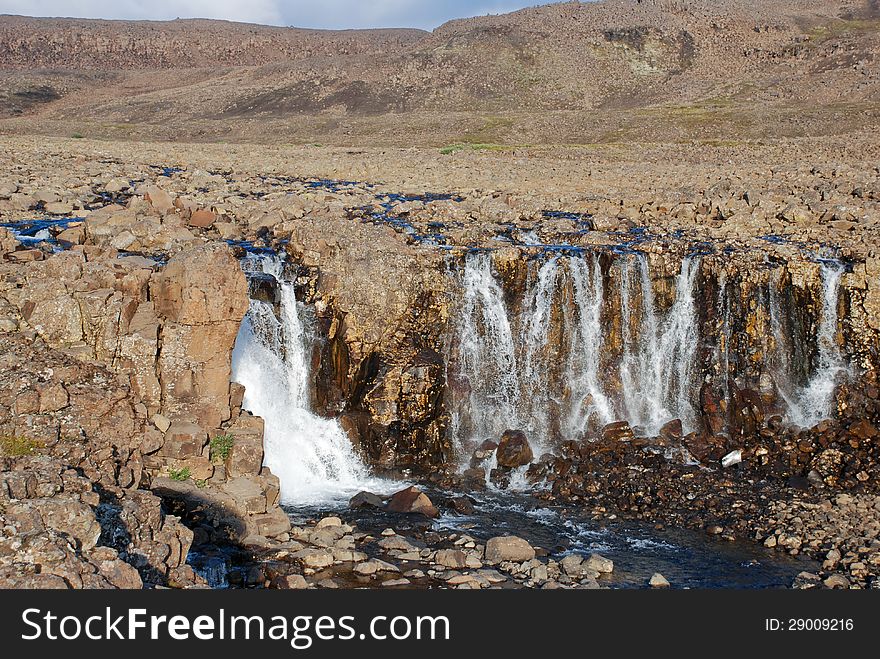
{"points": [[381, 367]]}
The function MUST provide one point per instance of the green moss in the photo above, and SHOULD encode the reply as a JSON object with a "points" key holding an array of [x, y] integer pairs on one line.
{"points": [[14, 447], [470, 146]]}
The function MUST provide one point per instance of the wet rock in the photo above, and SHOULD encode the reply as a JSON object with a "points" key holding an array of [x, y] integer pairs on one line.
{"points": [[373, 566], [462, 505], [658, 581], [394, 583], [513, 450], [732, 458], [508, 548], [672, 430], [365, 500], [412, 501], [618, 431]]}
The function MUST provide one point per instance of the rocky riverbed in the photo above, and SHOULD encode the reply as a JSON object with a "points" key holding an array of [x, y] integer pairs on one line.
{"points": [[128, 446]]}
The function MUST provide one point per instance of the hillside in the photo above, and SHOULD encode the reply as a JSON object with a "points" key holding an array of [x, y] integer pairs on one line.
{"points": [[618, 70]]}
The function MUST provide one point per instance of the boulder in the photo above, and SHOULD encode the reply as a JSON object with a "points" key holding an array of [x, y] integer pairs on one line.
{"points": [[599, 564], [365, 500], [160, 200], [508, 548], [658, 581], [202, 219], [452, 558], [514, 450], [412, 500]]}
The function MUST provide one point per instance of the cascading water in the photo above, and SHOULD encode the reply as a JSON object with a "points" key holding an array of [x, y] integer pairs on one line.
{"points": [[657, 367], [585, 350], [487, 360], [511, 361], [547, 363], [311, 455], [814, 400]]}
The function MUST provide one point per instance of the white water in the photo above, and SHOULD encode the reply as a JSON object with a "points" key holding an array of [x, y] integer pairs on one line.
{"points": [[657, 366], [809, 404], [520, 375], [311, 455]]}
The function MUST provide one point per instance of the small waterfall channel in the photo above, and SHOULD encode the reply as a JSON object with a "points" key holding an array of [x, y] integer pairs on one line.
{"points": [[311, 455]]}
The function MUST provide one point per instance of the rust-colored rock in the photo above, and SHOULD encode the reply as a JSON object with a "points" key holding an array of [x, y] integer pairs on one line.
{"points": [[514, 449], [412, 500]]}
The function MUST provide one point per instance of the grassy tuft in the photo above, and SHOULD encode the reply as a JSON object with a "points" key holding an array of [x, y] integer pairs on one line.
{"points": [[15, 447], [180, 474], [221, 447]]}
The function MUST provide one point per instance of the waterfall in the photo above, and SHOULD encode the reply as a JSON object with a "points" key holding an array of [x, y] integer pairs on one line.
{"points": [[585, 350], [813, 401], [657, 366], [312, 456], [487, 361], [518, 371]]}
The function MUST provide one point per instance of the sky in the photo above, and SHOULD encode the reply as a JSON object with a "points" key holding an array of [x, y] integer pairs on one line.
{"points": [[330, 14]]}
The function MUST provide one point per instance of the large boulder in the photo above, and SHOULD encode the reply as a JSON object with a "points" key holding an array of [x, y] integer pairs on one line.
{"points": [[508, 548], [514, 450], [412, 500]]}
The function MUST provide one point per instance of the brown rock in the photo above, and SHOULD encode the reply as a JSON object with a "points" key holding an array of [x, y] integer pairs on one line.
{"points": [[514, 450], [53, 398], [617, 432], [412, 500], [159, 199], [508, 548], [246, 456], [183, 440], [202, 219]]}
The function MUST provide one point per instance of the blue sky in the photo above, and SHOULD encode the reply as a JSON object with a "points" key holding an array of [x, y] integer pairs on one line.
{"points": [[337, 14]]}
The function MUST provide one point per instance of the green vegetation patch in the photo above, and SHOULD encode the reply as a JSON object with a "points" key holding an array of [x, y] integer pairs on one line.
{"points": [[469, 146], [180, 474], [14, 447], [221, 447]]}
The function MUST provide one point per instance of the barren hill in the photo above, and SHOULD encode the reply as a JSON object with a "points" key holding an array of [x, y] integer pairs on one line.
{"points": [[617, 70]]}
